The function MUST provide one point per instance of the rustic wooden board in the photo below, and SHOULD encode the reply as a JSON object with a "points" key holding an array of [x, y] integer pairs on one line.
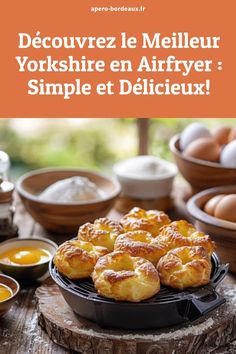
{"points": [[124, 204], [73, 332]]}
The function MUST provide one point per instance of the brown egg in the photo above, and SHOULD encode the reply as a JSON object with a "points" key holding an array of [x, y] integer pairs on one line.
{"points": [[211, 204], [203, 149], [232, 134], [221, 134], [226, 208]]}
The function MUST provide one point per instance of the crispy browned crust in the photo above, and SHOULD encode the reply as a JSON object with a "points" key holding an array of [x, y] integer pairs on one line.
{"points": [[140, 244], [76, 259], [122, 277], [140, 219], [181, 233], [188, 266], [103, 232]]}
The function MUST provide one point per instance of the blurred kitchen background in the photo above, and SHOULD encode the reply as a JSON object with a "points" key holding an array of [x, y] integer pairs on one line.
{"points": [[87, 142]]}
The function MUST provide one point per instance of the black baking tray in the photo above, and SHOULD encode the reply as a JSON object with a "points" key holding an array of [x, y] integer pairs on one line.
{"points": [[167, 308]]}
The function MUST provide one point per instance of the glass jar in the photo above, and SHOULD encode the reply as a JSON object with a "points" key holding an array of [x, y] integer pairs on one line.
{"points": [[7, 227]]}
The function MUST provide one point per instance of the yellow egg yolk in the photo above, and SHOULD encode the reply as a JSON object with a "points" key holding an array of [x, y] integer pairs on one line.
{"points": [[5, 292], [25, 256]]}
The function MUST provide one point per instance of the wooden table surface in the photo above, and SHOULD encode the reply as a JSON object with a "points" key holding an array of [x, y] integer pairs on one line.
{"points": [[19, 329]]}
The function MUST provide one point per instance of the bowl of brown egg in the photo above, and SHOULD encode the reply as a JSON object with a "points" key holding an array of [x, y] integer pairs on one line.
{"points": [[206, 158], [214, 213]]}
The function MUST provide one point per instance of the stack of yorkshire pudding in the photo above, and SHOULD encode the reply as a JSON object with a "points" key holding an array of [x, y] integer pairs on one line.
{"points": [[128, 260]]}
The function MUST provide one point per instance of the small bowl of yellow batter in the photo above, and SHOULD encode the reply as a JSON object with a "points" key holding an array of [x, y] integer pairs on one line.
{"points": [[26, 259], [9, 289]]}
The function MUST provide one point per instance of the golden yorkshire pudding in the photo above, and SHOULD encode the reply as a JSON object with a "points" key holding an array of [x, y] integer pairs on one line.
{"points": [[140, 219], [76, 259], [103, 232], [185, 267], [122, 277], [181, 233], [140, 244]]}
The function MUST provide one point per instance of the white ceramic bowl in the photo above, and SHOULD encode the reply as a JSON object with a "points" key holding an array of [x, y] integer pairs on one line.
{"points": [[145, 186]]}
